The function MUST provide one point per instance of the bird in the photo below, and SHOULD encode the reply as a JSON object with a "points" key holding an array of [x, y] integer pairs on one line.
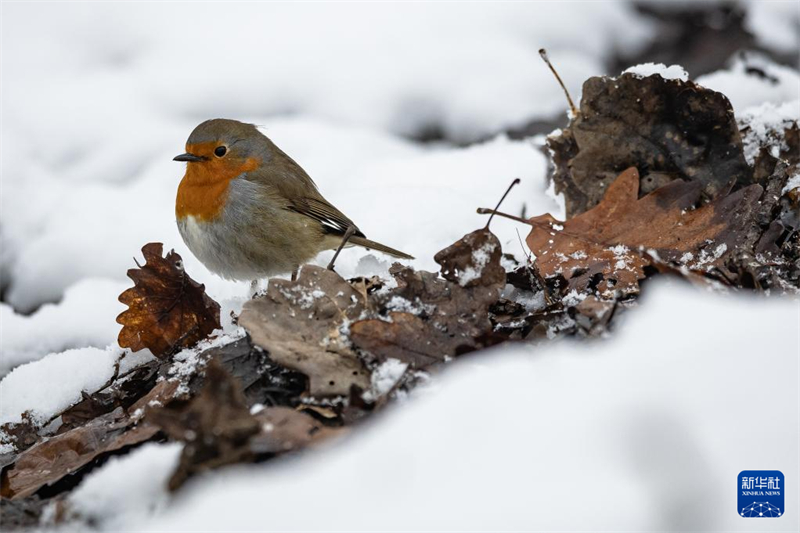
{"points": [[248, 211]]}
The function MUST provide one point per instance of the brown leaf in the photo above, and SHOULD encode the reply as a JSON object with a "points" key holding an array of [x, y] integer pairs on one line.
{"points": [[216, 425], [473, 260], [451, 315], [283, 429], [52, 459], [669, 129], [604, 246], [167, 310], [298, 324], [406, 337]]}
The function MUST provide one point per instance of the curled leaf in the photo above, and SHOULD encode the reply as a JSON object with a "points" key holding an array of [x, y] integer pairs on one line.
{"points": [[167, 309], [668, 128]]}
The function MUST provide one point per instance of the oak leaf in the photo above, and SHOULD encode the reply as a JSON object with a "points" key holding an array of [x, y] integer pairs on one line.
{"points": [[609, 246], [167, 309]]}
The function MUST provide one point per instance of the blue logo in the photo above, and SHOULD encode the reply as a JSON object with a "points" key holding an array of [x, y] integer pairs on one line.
{"points": [[761, 493]]}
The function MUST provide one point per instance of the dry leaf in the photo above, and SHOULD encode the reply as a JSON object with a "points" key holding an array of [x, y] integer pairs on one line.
{"points": [[298, 324], [52, 459], [284, 429], [167, 310], [473, 260], [215, 425], [603, 248], [428, 319], [669, 129]]}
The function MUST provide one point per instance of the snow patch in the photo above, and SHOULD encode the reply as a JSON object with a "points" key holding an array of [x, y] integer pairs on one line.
{"points": [[126, 488], [384, 377], [480, 258], [55, 382], [792, 184], [764, 125], [672, 72]]}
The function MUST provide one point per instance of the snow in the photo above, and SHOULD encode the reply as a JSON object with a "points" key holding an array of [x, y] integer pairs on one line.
{"points": [[792, 184], [775, 23], [384, 377], [658, 424], [86, 316], [746, 89], [57, 380], [766, 124], [104, 498], [672, 72], [480, 257]]}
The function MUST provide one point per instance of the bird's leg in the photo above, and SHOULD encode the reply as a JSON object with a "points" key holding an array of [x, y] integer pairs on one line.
{"points": [[351, 229], [294, 273]]}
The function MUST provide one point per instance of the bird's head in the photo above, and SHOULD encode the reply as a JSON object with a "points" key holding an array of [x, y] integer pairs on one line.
{"points": [[222, 149]]}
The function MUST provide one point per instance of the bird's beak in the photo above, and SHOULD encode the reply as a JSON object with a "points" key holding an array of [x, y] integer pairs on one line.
{"points": [[189, 158]]}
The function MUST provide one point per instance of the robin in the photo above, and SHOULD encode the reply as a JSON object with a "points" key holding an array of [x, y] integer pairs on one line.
{"points": [[247, 210]]}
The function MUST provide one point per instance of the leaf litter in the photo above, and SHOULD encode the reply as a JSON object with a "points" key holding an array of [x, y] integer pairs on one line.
{"points": [[656, 182]]}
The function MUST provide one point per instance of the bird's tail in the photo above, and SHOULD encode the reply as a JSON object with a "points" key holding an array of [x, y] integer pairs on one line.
{"points": [[372, 245]]}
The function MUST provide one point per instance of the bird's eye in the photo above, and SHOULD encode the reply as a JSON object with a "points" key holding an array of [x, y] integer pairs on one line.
{"points": [[220, 151]]}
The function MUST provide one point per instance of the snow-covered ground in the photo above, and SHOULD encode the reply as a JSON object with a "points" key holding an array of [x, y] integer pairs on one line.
{"points": [[647, 430]]}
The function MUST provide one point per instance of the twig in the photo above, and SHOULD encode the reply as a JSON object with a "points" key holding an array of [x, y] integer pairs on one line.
{"points": [[515, 182], [572, 108]]}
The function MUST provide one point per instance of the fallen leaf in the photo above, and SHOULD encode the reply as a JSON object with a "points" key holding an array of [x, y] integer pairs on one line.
{"points": [[669, 129], [167, 309], [298, 324], [216, 425], [427, 319], [601, 249], [283, 429], [473, 260], [262, 380], [406, 337], [49, 461]]}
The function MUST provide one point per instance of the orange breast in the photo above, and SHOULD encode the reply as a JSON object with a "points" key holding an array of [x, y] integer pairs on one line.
{"points": [[204, 188]]}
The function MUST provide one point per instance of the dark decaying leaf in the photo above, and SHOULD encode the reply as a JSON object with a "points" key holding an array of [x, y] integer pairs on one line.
{"points": [[298, 323], [218, 428], [473, 260], [167, 310], [262, 380], [603, 247], [23, 514], [428, 318], [52, 459], [283, 429], [21, 435], [668, 129], [215, 425]]}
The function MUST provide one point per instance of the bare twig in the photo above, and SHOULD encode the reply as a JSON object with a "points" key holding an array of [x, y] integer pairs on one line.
{"points": [[515, 182], [572, 108]]}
